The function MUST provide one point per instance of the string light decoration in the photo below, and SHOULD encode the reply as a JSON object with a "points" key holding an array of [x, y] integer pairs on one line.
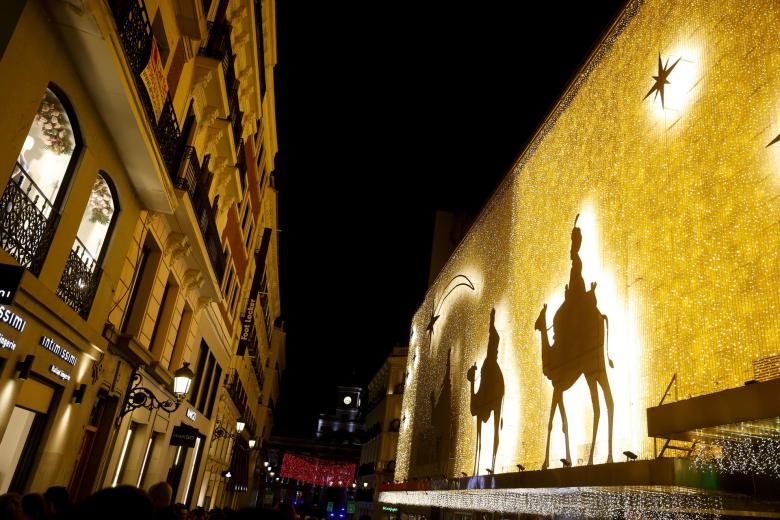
{"points": [[679, 231], [751, 457], [627, 502], [317, 471]]}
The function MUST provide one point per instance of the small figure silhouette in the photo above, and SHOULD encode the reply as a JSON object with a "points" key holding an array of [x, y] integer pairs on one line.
{"points": [[578, 349], [490, 396]]}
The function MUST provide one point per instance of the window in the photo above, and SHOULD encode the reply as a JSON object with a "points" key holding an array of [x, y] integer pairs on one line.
{"points": [[81, 275], [32, 200], [134, 286]]}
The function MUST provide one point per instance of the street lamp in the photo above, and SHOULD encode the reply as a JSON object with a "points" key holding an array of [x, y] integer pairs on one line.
{"points": [[251, 443], [220, 431], [138, 396]]}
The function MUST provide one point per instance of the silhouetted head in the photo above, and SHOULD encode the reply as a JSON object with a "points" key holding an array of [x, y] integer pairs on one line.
{"points": [[10, 506], [59, 500], [576, 237], [471, 374], [34, 507], [118, 503], [541, 321], [160, 494]]}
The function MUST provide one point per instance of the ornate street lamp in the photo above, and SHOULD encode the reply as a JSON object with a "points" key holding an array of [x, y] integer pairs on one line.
{"points": [[138, 396], [220, 431]]}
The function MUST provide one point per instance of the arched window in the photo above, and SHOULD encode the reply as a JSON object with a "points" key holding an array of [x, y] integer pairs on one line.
{"points": [[31, 203], [82, 271]]}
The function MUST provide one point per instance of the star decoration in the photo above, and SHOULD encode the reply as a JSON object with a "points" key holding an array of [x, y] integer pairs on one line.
{"points": [[775, 140], [432, 321], [660, 79]]}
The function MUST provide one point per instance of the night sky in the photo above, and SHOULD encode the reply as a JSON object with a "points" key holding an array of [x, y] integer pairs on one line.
{"points": [[387, 112]]}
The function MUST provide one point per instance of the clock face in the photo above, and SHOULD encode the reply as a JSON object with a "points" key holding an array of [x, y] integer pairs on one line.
{"points": [[347, 400]]}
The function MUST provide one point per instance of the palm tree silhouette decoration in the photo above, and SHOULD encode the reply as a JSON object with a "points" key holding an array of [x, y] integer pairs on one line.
{"points": [[578, 349], [440, 420], [460, 280]]}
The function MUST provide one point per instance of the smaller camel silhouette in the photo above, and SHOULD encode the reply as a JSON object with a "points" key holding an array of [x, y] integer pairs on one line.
{"points": [[490, 396]]}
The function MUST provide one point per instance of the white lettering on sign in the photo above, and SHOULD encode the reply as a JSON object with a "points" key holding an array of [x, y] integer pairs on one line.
{"points": [[191, 415], [7, 343], [12, 319], [58, 350], [59, 373]]}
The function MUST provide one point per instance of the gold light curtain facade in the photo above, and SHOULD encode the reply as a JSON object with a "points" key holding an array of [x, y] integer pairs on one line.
{"points": [[680, 216]]}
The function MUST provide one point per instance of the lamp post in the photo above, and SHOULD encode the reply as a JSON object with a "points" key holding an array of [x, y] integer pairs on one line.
{"points": [[138, 396], [220, 431]]}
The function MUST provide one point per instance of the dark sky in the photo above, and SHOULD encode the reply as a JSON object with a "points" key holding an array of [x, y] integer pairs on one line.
{"points": [[386, 112]]}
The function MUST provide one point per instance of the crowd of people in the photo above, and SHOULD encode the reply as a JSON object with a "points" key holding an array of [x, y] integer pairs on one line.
{"points": [[122, 503]]}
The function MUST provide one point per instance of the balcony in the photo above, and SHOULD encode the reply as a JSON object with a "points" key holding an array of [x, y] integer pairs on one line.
{"points": [[80, 280], [241, 165], [27, 221], [135, 33], [236, 119], [219, 48], [195, 179]]}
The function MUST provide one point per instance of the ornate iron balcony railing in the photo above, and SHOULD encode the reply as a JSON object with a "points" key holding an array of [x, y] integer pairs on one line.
{"points": [[27, 221], [80, 280], [218, 47], [195, 179], [135, 32]]}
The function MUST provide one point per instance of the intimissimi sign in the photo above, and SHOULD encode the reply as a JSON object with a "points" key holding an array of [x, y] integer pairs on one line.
{"points": [[11, 318], [58, 350]]}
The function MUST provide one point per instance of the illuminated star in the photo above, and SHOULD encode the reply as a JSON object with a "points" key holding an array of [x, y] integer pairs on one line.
{"points": [[660, 79], [432, 321], [775, 140]]}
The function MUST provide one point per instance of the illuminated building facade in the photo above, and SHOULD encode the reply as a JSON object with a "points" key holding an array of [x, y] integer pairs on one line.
{"points": [[140, 200], [617, 293], [381, 422]]}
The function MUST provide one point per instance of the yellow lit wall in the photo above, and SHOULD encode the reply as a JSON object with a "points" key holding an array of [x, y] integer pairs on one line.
{"points": [[680, 216]]}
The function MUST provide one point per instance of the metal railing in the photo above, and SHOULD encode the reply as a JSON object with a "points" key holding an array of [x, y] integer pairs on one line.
{"points": [[27, 221], [236, 118], [218, 47], [135, 33], [241, 165], [195, 179], [80, 280]]}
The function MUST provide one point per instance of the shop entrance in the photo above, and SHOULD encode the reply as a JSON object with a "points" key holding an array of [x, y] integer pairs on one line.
{"points": [[21, 442]]}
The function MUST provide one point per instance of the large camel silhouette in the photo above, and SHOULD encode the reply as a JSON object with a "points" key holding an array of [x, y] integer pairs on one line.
{"points": [[490, 397], [578, 349]]}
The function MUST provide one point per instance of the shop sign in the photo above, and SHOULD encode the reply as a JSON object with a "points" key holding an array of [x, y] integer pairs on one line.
{"points": [[184, 436], [7, 343], [11, 318], [191, 414], [10, 278], [390, 509], [57, 371], [58, 350]]}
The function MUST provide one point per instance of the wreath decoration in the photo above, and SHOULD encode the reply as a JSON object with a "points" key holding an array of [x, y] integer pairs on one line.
{"points": [[100, 202], [53, 121]]}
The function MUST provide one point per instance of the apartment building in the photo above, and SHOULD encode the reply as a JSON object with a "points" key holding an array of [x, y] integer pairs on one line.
{"points": [[141, 204]]}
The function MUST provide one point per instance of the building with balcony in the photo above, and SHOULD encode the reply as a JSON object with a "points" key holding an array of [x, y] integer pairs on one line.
{"points": [[603, 343], [141, 206], [381, 423]]}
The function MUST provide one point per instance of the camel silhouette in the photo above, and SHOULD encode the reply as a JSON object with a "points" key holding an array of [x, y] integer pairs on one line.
{"points": [[490, 397], [578, 349]]}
